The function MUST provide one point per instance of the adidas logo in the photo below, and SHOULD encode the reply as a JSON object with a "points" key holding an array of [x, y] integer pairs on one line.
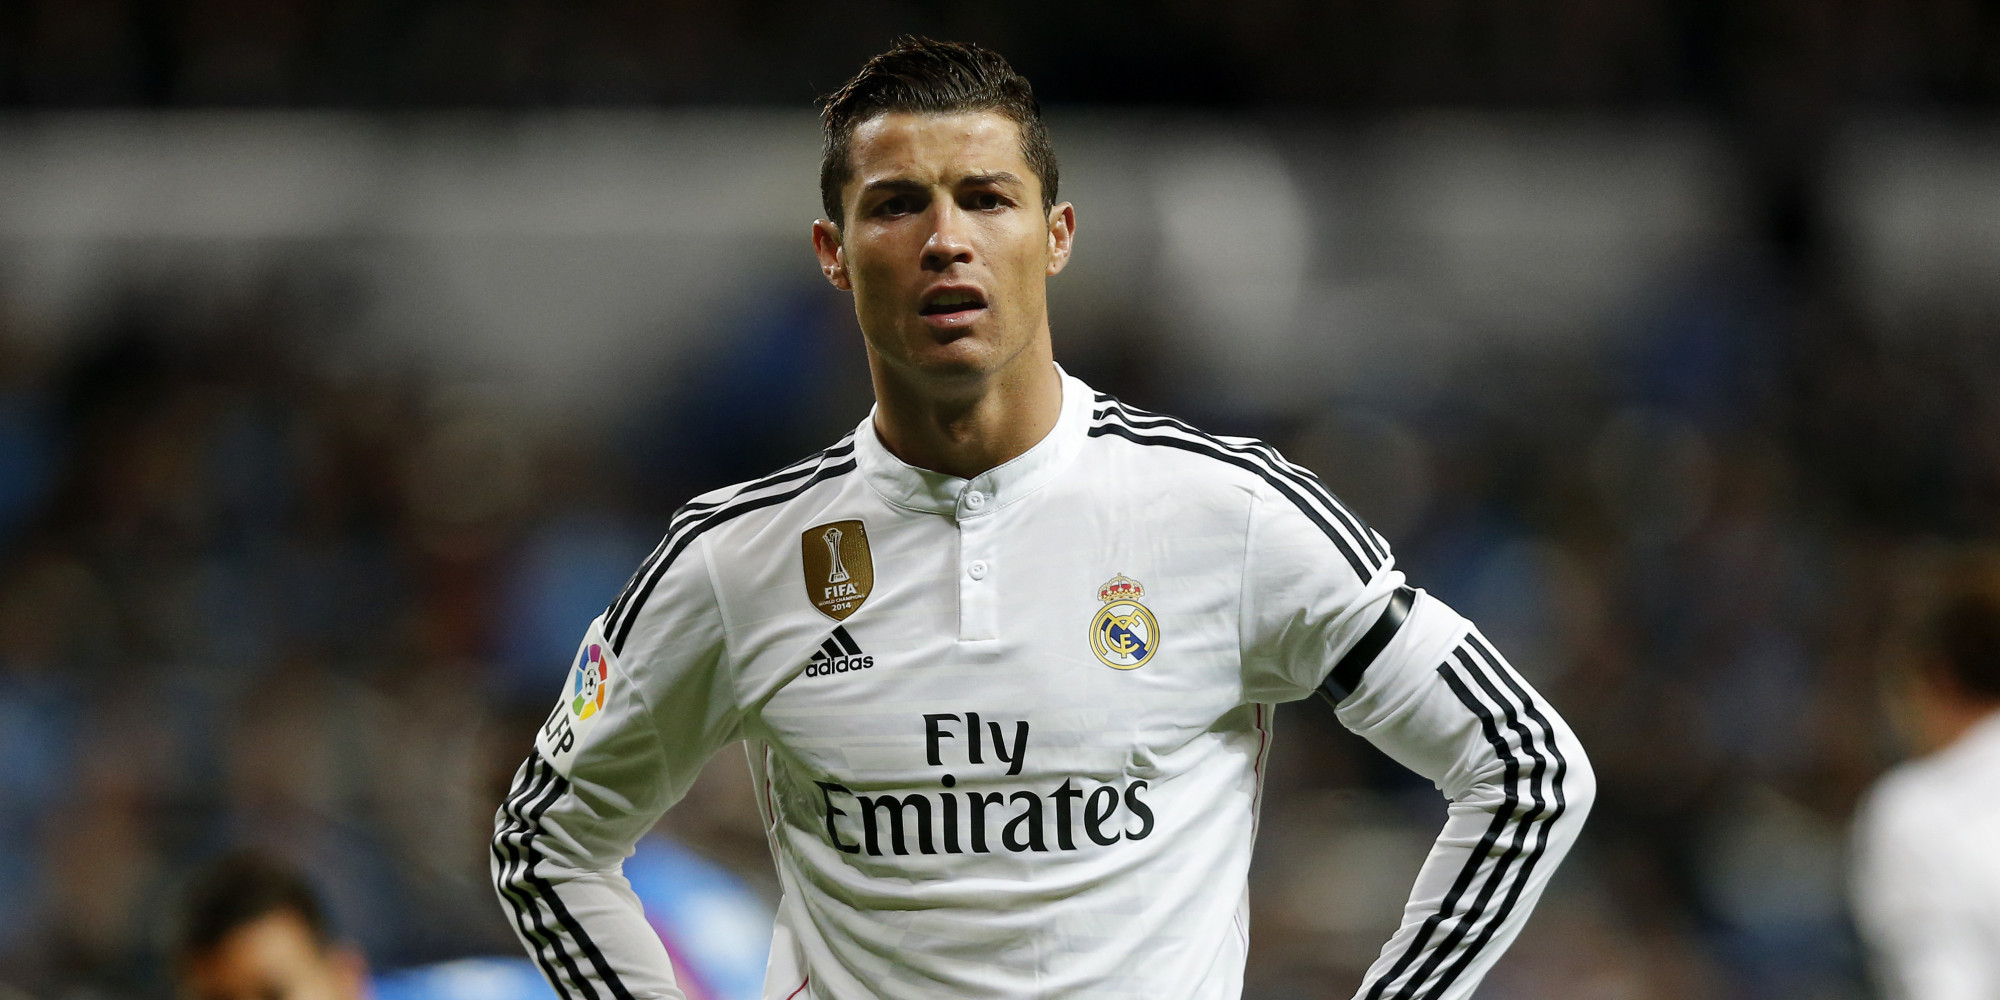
{"points": [[839, 654]]}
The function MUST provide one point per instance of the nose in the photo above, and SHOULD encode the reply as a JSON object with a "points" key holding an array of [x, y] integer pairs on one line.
{"points": [[949, 243]]}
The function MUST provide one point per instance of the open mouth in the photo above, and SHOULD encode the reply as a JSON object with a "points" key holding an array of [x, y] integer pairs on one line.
{"points": [[953, 303]]}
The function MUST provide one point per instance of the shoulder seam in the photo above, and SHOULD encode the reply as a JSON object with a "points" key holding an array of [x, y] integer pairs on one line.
{"points": [[728, 664], [1243, 572]]}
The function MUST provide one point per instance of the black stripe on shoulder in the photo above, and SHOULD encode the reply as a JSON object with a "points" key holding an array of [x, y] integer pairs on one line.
{"points": [[1119, 429], [1358, 530], [1346, 675], [693, 529], [690, 511]]}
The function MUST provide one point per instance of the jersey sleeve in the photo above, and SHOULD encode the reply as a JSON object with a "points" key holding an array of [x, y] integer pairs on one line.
{"points": [[647, 701], [1419, 682]]}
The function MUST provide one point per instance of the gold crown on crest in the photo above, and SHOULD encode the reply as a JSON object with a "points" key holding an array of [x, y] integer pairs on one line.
{"points": [[1120, 587]]}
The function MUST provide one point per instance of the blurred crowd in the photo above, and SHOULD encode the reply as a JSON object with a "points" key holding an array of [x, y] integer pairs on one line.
{"points": [[1781, 58], [247, 599]]}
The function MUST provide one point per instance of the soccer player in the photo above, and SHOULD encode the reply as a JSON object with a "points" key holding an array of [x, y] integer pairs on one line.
{"points": [[1926, 879], [1004, 657], [252, 928]]}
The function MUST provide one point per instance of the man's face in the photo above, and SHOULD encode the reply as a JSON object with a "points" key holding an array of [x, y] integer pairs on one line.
{"points": [[274, 958], [945, 246]]}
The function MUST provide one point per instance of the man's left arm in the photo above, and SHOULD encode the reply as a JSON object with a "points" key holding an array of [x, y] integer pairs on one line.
{"points": [[1422, 684], [1443, 702]]}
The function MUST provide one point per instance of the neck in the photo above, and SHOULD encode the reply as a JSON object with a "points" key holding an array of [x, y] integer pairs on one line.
{"points": [[1947, 723], [966, 428]]}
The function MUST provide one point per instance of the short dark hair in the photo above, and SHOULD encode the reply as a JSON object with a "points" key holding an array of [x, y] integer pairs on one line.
{"points": [[923, 76], [236, 890], [1964, 643]]}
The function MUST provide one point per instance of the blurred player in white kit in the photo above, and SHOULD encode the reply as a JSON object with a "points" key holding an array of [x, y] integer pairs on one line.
{"points": [[1927, 840]]}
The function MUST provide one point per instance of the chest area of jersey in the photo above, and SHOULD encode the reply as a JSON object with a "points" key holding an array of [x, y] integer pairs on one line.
{"points": [[1060, 631]]}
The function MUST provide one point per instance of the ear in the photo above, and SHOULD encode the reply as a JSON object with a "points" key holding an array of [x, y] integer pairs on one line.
{"points": [[832, 256], [1062, 236]]}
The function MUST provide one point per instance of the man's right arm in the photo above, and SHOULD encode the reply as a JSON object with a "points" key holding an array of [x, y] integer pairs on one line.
{"points": [[647, 701]]}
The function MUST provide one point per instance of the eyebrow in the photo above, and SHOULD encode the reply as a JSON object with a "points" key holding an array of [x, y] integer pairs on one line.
{"points": [[899, 184], [997, 177], [892, 184]]}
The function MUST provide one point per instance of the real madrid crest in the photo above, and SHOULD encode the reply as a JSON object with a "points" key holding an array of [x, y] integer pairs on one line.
{"points": [[1123, 633], [839, 570]]}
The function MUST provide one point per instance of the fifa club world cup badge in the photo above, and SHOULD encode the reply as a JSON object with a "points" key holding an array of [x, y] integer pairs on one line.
{"points": [[839, 570], [1123, 633]]}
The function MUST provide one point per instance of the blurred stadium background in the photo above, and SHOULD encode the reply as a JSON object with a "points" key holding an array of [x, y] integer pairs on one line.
{"points": [[352, 353]]}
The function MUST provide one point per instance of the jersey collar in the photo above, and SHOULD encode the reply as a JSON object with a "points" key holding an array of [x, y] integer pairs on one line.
{"points": [[906, 485]]}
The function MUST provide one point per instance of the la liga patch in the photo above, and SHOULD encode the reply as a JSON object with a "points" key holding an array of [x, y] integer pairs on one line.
{"points": [[581, 705], [588, 681]]}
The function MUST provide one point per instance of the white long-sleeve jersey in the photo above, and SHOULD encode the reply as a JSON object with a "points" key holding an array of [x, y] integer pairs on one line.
{"points": [[1926, 878], [1008, 734]]}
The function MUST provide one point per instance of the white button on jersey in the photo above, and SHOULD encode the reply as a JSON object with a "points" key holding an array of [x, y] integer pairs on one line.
{"points": [[1036, 783]]}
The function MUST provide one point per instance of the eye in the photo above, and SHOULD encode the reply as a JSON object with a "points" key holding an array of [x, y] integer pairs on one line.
{"points": [[987, 201], [896, 205]]}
